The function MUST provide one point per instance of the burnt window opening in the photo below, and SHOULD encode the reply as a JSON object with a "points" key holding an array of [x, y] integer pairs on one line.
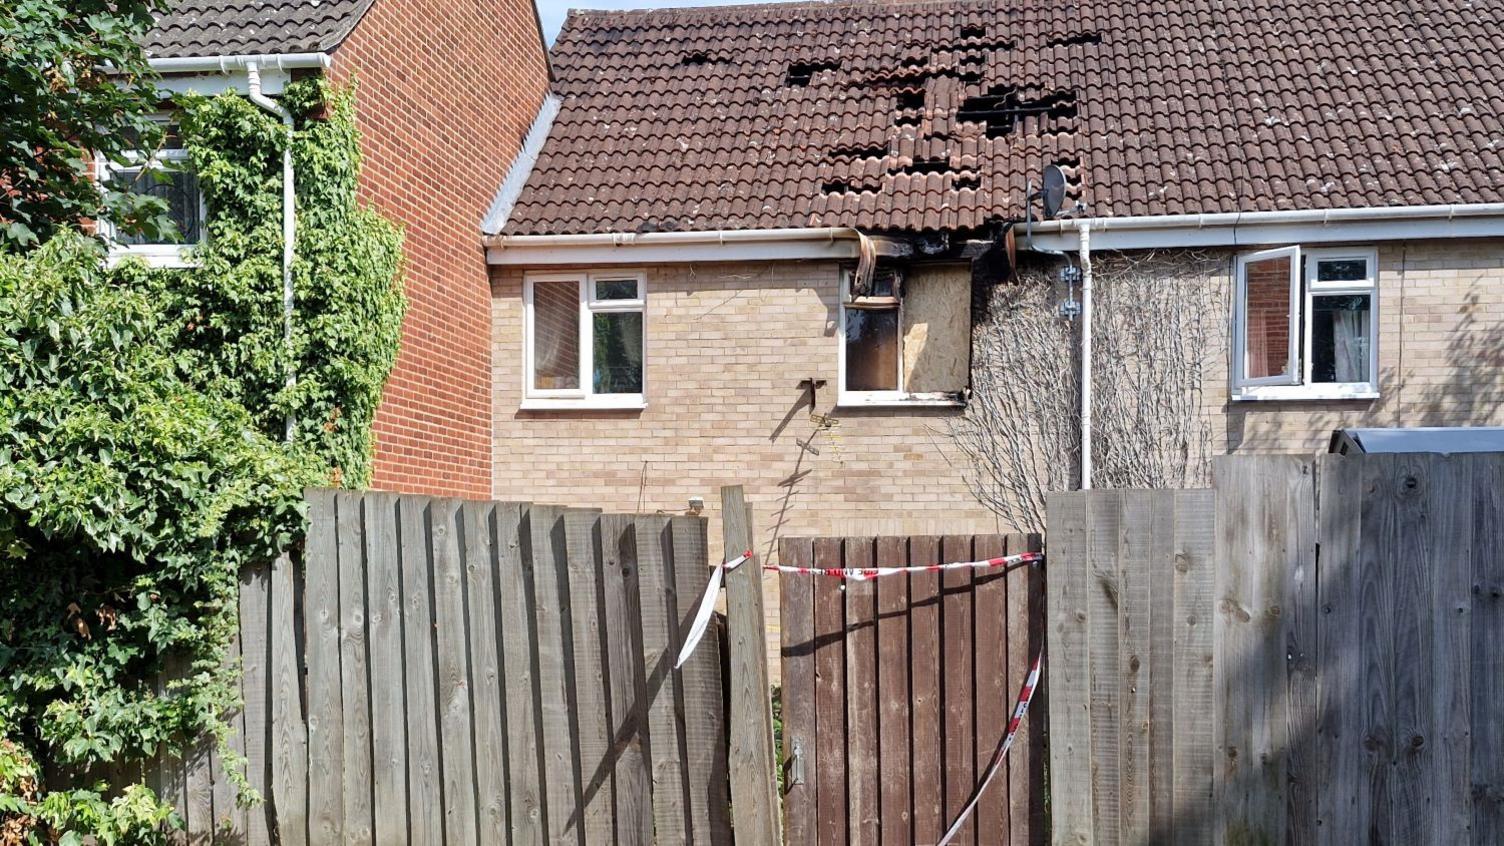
{"points": [[966, 180], [973, 31], [911, 99], [1006, 110], [1074, 39], [801, 73]]}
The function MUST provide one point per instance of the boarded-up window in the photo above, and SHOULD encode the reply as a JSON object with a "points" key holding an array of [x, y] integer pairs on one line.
{"points": [[910, 339]]}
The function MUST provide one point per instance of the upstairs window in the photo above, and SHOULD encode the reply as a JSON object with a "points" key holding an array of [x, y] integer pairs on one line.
{"points": [[1304, 324], [584, 339], [163, 173], [907, 341]]}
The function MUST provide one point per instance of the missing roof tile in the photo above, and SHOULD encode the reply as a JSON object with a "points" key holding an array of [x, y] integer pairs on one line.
{"points": [[1074, 39], [927, 166], [909, 99], [700, 57], [966, 180], [859, 151], [914, 61], [973, 31], [1006, 109], [801, 73]]}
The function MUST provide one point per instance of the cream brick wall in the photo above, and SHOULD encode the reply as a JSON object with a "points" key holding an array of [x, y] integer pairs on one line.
{"points": [[728, 344]]}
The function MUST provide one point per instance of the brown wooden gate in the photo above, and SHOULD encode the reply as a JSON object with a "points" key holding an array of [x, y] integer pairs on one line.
{"points": [[897, 691]]}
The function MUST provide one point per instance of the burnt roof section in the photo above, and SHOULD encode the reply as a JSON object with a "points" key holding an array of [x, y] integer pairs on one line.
{"points": [[234, 27], [931, 116]]}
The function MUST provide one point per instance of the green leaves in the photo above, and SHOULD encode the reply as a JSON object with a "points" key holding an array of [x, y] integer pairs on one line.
{"points": [[142, 455], [62, 107]]}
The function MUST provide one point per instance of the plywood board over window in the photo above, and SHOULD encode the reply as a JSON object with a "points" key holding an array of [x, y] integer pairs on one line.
{"points": [[937, 329]]}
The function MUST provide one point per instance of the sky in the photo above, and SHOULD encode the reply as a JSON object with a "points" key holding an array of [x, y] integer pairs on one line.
{"points": [[552, 12]]}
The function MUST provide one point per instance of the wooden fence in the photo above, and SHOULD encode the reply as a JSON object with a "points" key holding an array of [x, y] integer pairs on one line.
{"points": [[1308, 654], [446, 671], [896, 692]]}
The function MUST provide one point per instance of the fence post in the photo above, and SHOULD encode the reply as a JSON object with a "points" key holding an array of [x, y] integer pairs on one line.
{"points": [[754, 799]]}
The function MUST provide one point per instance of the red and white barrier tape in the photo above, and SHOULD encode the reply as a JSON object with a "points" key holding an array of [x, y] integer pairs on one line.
{"points": [[861, 574], [858, 574], [1025, 696]]}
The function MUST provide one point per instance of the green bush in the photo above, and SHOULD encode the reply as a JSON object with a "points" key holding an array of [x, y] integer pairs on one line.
{"points": [[143, 457]]}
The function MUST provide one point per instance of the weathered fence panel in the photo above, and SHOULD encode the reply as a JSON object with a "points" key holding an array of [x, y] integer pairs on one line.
{"points": [[439, 671], [897, 691], [1293, 657]]}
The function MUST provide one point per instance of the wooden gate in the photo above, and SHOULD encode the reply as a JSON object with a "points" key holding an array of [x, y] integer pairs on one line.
{"points": [[897, 691], [1310, 653], [459, 672]]}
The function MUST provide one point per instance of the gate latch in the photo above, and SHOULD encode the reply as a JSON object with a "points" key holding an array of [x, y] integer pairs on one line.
{"points": [[796, 763]]}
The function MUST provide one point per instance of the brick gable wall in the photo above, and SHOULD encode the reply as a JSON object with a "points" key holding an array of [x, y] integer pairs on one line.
{"points": [[446, 93]]}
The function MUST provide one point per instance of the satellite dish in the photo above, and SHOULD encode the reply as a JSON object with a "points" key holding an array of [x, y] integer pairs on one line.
{"points": [[1053, 192]]}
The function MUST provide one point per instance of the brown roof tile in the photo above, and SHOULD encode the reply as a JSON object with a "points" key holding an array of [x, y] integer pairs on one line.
{"points": [[932, 115]]}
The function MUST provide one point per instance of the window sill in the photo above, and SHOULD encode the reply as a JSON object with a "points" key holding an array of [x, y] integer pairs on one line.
{"points": [[619, 402], [156, 255], [1304, 393], [895, 399]]}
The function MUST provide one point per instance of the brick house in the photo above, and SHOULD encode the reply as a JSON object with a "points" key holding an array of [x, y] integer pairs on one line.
{"points": [[446, 94], [744, 244]]}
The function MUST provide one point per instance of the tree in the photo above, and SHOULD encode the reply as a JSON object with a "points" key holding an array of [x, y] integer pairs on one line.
{"points": [[74, 81], [1157, 321]]}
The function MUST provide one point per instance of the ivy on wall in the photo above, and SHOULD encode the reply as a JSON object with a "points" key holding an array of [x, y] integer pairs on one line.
{"points": [[143, 459]]}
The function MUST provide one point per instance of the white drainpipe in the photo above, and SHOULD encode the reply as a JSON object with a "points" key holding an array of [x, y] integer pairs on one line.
{"points": [[1085, 230], [289, 216]]}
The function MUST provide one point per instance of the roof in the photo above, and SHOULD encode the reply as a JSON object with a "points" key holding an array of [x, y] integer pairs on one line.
{"points": [[932, 116], [237, 27]]}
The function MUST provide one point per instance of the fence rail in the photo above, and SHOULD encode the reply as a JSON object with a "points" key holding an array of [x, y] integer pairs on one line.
{"points": [[896, 692], [446, 671], [1310, 653]]}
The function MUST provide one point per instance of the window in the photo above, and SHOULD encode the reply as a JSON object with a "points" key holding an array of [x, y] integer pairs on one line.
{"points": [[1304, 324], [164, 174], [907, 342], [584, 340]]}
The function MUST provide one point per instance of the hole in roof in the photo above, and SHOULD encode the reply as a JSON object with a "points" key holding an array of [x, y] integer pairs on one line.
{"points": [[914, 62], [973, 31], [838, 186], [927, 166], [966, 180], [906, 120], [859, 151], [1006, 109], [1075, 39], [910, 99], [801, 73], [700, 57]]}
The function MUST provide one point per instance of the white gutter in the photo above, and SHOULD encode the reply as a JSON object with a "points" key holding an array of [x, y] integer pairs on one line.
{"points": [[714, 245], [289, 217], [1084, 235], [229, 64], [1461, 220]]}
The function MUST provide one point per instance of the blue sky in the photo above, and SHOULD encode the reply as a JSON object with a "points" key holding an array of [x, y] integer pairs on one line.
{"points": [[552, 12]]}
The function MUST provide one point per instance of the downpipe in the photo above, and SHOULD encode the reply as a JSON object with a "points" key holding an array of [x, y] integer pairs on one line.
{"points": [[289, 219], [1085, 232]]}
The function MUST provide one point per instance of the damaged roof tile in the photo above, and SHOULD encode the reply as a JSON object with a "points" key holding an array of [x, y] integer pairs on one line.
{"points": [[921, 115]]}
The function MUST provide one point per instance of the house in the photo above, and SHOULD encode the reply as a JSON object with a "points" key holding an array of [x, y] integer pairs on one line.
{"points": [[446, 94], [750, 244]]}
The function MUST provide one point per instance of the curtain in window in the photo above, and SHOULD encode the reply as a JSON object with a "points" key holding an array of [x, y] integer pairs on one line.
{"points": [[1350, 334]]}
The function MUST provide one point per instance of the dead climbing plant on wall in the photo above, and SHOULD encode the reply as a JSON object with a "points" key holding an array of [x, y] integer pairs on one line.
{"points": [[1158, 321], [143, 460]]}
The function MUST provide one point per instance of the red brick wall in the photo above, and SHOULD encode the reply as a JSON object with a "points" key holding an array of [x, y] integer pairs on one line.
{"points": [[447, 91]]}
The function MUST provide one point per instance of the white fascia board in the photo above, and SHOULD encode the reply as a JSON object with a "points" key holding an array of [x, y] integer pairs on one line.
{"points": [[674, 247], [1482, 220], [273, 83], [211, 75]]}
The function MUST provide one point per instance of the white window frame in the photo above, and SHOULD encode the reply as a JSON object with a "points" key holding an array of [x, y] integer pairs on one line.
{"points": [[1304, 266], [880, 399], [155, 255], [583, 397]]}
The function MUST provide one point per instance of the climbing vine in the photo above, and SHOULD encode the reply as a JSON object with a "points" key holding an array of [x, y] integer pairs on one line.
{"points": [[144, 459]]}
